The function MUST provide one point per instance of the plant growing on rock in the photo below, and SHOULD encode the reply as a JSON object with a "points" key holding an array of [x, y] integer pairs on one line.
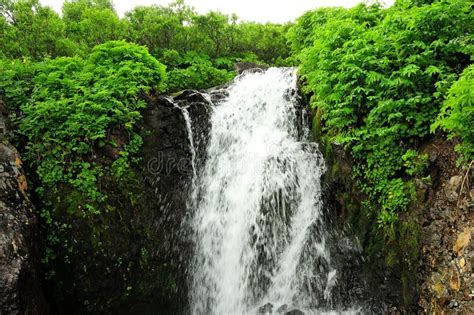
{"points": [[77, 110], [378, 77], [74, 105], [457, 114]]}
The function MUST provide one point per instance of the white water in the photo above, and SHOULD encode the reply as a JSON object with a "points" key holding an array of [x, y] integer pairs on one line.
{"points": [[258, 219], [189, 129]]}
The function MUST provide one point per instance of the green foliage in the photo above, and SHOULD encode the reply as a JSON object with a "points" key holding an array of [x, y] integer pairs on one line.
{"points": [[74, 104], [89, 23], [71, 112], [30, 30], [15, 83], [378, 78], [457, 113], [414, 163], [74, 86], [195, 71]]}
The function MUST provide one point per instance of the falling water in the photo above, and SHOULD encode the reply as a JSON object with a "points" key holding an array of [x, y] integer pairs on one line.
{"points": [[189, 129], [258, 221]]}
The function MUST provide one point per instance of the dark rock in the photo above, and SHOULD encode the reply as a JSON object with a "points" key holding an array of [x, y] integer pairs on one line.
{"points": [[241, 67], [3, 120], [191, 96], [217, 95], [20, 289], [282, 308], [141, 253], [3, 127], [294, 312], [266, 309], [452, 187]]}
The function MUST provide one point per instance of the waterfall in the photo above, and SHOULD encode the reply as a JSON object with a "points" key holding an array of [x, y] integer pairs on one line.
{"points": [[189, 128], [257, 217]]}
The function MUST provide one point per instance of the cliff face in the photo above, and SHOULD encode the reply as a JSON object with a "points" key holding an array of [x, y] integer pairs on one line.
{"points": [[20, 290], [428, 267], [133, 257], [446, 242]]}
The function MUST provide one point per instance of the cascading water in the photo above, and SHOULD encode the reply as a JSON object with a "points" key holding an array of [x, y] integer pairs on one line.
{"points": [[258, 224]]}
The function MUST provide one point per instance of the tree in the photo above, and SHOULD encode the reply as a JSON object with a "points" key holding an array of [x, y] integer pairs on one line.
{"points": [[29, 30], [89, 23]]}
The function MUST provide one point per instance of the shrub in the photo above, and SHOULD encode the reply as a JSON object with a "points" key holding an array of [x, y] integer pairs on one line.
{"points": [[457, 114], [378, 77], [73, 106]]}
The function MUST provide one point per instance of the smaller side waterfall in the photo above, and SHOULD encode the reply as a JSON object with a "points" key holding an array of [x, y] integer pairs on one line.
{"points": [[258, 227], [192, 148], [188, 122]]}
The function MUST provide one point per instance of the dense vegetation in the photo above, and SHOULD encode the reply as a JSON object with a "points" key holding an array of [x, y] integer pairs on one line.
{"points": [[378, 79], [197, 49]]}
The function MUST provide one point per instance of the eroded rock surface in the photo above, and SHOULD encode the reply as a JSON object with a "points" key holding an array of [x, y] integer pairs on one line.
{"points": [[20, 291], [447, 246]]}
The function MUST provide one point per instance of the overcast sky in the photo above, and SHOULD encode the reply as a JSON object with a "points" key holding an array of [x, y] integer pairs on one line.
{"points": [[250, 10]]}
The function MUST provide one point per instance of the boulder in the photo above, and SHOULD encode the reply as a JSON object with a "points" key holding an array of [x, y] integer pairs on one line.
{"points": [[294, 311], [241, 67], [266, 309]]}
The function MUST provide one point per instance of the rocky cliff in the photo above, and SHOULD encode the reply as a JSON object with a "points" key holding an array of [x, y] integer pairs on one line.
{"points": [[428, 267], [446, 271], [20, 289], [130, 259], [133, 257]]}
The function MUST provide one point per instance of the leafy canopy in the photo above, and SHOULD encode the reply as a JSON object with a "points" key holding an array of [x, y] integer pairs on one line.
{"points": [[74, 104]]}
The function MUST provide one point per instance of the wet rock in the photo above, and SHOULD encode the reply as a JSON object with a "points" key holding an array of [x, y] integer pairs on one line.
{"points": [[266, 309], [217, 95], [141, 255], [3, 127], [294, 311], [241, 67], [191, 96], [20, 290], [282, 309]]}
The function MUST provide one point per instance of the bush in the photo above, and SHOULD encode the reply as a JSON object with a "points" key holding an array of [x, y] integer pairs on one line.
{"points": [[74, 104], [196, 71], [457, 114], [379, 77], [15, 82]]}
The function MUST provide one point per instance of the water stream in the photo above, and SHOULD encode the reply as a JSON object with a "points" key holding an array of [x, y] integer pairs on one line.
{"points": [[257, 222]]}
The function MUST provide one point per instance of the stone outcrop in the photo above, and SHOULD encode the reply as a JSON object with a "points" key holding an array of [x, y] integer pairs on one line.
{"points": [[447, 238], [438, 243], [241, 67], [20, 290]]}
